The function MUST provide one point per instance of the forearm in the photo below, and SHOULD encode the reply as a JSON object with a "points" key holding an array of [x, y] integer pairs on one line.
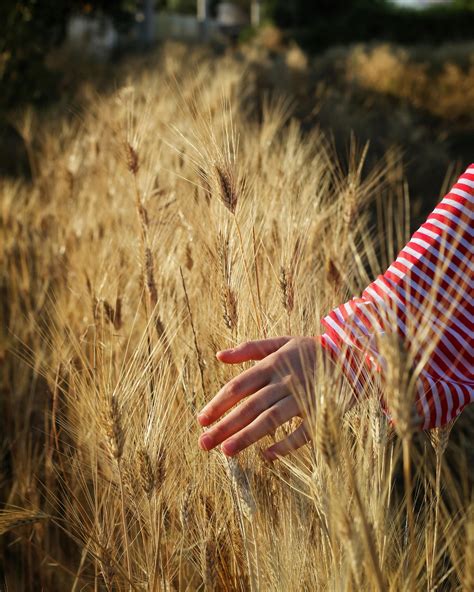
{"points": [[425, 297]]}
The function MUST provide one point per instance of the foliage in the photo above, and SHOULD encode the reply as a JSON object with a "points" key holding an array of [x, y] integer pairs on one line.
{"points": [[301, 12], [185, 6], [28, 30], [463, 4], [321, 24]]}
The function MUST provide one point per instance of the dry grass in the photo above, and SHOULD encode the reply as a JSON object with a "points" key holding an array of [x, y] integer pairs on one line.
{"points": [[206, 230], [391, 70]]}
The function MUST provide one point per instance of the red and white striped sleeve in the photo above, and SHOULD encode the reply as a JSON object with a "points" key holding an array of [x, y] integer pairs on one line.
{"points": [[427, 294]]}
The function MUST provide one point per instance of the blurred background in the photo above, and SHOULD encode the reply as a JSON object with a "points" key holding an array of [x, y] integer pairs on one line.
{"points": [[396, 73]]}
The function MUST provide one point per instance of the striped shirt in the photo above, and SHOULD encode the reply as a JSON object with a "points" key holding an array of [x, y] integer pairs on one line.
{"points": [[426, 298]]}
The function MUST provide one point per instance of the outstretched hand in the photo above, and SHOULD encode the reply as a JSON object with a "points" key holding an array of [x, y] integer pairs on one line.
{"points": [[277, 389]]}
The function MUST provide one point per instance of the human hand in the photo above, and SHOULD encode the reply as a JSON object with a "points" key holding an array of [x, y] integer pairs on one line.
{"points": [[277, 388]]}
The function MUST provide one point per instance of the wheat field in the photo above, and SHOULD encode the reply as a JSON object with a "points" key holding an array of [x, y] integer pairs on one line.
{"points": [[165, 223]]}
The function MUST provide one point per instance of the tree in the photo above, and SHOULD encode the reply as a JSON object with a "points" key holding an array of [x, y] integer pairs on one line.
{"points": [[29, 29], [302, 12], [464, 4]]}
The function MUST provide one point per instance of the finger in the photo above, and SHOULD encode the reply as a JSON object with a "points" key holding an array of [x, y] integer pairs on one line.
{"points": [[236, 389], [251, 350], [266, 423], [292, 442], [243, 415]]}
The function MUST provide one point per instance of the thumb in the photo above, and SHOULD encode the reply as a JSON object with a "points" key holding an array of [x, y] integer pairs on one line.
{"points": [[252, 350]]}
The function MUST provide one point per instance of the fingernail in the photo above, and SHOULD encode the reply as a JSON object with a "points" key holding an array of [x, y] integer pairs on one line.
{"points": [[269, 455], [205, 442]]}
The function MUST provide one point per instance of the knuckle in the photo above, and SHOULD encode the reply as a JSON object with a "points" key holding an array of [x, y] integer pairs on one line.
{"points": [[273, 417], [251, 407], [245, 440], [242, 442], [210, 410], [216, 433], [232, 388]]}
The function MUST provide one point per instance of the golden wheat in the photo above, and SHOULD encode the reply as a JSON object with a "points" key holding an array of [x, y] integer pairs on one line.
{"points": [[164, 226]]}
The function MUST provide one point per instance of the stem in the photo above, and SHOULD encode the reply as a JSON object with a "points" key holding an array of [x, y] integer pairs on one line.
{"points": [[124, 525], [155, 545], [84, 553], [139, 206], [439, 456], [409, 502], [148, 303], [248, 553], [379, 579], [257, 320], [257, 281], [158, 558], [196, 345]]}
